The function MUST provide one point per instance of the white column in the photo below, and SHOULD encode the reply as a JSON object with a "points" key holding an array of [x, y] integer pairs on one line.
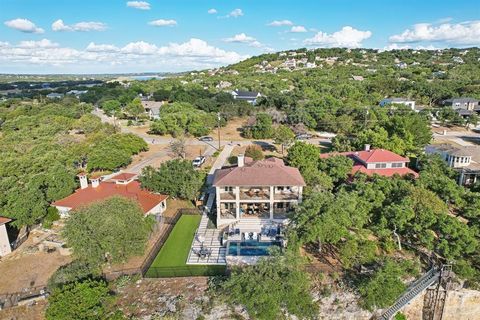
{"points": [[272, 198], [219, 213], [4, 241], [237, 202], [300, 194]]}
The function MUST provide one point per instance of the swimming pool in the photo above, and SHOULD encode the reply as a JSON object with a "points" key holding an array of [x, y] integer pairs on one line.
{"points": [[250, 248]]}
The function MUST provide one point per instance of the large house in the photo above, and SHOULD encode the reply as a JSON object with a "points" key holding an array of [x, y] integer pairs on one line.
{"points": [[249, 96], [462, 103], [267, 190], [407, 102], [376, 161], [152, 108], [459, 158], [123, 185]]}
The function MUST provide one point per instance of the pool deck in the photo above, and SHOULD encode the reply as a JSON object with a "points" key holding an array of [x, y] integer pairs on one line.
{"points": [[211, 241]]}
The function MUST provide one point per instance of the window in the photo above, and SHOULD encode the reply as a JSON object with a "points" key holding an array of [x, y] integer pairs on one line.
{"points": [[280, 205], [397, 165], [380, 165], [228, 189], [279, 188]]}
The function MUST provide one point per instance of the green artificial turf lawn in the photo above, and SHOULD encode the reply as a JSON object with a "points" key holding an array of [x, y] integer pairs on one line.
{"points": [[171, 260]]}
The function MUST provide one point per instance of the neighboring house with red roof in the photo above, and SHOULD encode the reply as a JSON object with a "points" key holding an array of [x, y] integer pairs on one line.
{"points": [[266, 189], [5, 247], [376, 161], [123, 185]]}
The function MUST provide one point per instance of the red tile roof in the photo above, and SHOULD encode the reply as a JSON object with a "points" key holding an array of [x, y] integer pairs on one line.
{"points": [[124, 176], [374, 156], [387, 172], [132, 190], [4, 220], [269, 172]]}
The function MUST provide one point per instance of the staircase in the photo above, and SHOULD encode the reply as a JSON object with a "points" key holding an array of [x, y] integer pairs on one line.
{"points": [[417, 287], [251, 224]]}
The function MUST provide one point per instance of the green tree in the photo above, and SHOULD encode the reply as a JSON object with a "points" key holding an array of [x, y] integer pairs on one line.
{"points": [[176, 178], [79, 301], [284, 136], [384, 287], [254, 151], [272, 286], [111, 107], [110, 230], [135, 108], [261, 129], [337, 167]]}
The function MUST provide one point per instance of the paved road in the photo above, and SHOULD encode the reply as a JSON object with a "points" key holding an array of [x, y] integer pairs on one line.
{"points": [[211, 146]]}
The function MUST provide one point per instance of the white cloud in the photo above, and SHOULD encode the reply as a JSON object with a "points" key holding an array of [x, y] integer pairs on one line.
{"points": [[47, 56], [92, 47], [142, 5], [298, 29], [236, 13], [240, 38], [280, 23], [201, 50], [212, 11], [396, 46], [163, 23], [243, 38], [140, 48], [347, 37], [44, 43], [461, 33], [59, 25], [23, 25]]}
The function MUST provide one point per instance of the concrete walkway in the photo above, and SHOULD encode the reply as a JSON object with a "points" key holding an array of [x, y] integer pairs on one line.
{"points": [[211, 242], [221, 160]]}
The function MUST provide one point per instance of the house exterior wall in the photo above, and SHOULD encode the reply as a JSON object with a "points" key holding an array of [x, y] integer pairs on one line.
{"points": [[388, 165], [231, 195], [5, 247]]}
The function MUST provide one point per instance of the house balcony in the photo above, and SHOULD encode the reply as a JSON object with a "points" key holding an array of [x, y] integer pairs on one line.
{"points": [[286, 195], [228, 211], [255, 194], [282, 210], [227, 196], [255, 210]]}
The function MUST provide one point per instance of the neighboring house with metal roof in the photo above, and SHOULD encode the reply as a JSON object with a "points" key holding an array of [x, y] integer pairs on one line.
{"points": [[152, 108], [263, 190], [462, 103], [249, 96], [55, 95], [376, 161], [463, 159], [123, 185], [408, 102]]}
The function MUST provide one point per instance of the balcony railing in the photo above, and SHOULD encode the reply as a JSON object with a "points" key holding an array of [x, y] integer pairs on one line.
{"points": [[286, 195], [228, 214], [227, 196], [255, 194]]}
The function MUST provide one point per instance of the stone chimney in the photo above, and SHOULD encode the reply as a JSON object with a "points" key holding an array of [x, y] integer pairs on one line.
{"points": [[240, 160], [367, 147], [95, 182], [83, 180]]}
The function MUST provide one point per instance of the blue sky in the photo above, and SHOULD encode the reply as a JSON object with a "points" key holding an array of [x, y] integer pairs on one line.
{"points": [[97, 36]]}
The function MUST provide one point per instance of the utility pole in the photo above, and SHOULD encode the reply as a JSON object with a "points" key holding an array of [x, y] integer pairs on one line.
{"points": [[219, 118]]}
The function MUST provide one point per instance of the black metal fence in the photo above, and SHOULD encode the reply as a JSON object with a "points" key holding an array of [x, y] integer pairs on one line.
{"points": [[170, 223], [187, 271]]}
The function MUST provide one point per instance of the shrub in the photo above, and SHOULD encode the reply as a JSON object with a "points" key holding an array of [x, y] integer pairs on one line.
{"points": [[255, 152], [72, 272], [52, 216]]}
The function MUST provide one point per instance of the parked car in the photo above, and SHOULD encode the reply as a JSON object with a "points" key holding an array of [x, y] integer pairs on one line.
{"points": [[303, 136], [198, 161], [206, 139]]}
